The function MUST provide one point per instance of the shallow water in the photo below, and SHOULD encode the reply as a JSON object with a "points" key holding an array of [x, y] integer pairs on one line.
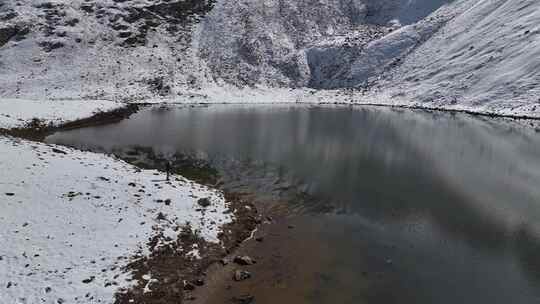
{"points": [[429, 207]]}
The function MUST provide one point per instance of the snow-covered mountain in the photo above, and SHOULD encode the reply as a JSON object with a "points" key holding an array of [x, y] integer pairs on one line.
{"points": [[485, 58], [467, 54]]}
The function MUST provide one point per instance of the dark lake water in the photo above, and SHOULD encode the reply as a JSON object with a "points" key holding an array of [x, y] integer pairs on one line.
{"points": [[431, 207]]}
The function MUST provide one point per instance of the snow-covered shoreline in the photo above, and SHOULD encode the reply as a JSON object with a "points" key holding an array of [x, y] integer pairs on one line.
{"points": [[17, 113], [72, 220], [516, 110]]}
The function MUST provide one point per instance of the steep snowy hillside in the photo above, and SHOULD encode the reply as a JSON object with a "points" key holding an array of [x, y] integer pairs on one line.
{"points": [[140, 48], [486, 59], [435, 53], [87, 49]]}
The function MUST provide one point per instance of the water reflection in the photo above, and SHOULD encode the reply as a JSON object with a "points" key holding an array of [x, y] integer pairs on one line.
{"points": [[472, 184]]}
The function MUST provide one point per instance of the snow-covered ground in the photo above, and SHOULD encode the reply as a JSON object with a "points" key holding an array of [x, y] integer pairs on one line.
{"points": [[69, 222], [15, 113]]}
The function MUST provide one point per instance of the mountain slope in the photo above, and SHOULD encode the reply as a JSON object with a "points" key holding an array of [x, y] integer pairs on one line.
{"points": [[479, 55], [487, 58]]}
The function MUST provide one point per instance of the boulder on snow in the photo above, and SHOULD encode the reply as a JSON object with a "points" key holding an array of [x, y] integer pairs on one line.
{"points": [[204, 202], [6, 33]]}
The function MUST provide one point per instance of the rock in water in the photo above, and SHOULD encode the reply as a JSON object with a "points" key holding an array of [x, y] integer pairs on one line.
{"points": [[241, 275], [243, 299], [244, 260], [188, 286]]}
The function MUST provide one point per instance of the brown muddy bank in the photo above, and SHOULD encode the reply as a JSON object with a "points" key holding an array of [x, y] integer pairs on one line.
{"points": [[175, 274], [264, 228], [261, 229], [290, 257]]}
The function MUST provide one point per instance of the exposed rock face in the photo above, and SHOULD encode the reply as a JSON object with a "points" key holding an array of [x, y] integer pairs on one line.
{"points": [[301, 43], [252, 42], [8, 33], [330, 60]]}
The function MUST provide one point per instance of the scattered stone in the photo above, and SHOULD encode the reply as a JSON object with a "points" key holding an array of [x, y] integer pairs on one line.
{"points": [[199, 282], [72, 22], [168, 201], [241, 275], [204, 202], [10, 193], [51, 45], [8, 15], [259, 239], [124, 34], [119, 27], [89, 280], [188, 286], [244, 260], [224, 261]]}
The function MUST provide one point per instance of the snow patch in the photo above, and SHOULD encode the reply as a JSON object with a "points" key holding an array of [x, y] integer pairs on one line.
{"points": [[71, 220]]}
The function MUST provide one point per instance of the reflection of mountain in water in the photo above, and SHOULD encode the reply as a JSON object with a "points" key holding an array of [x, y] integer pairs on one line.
{"points": [[475, 180]]}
